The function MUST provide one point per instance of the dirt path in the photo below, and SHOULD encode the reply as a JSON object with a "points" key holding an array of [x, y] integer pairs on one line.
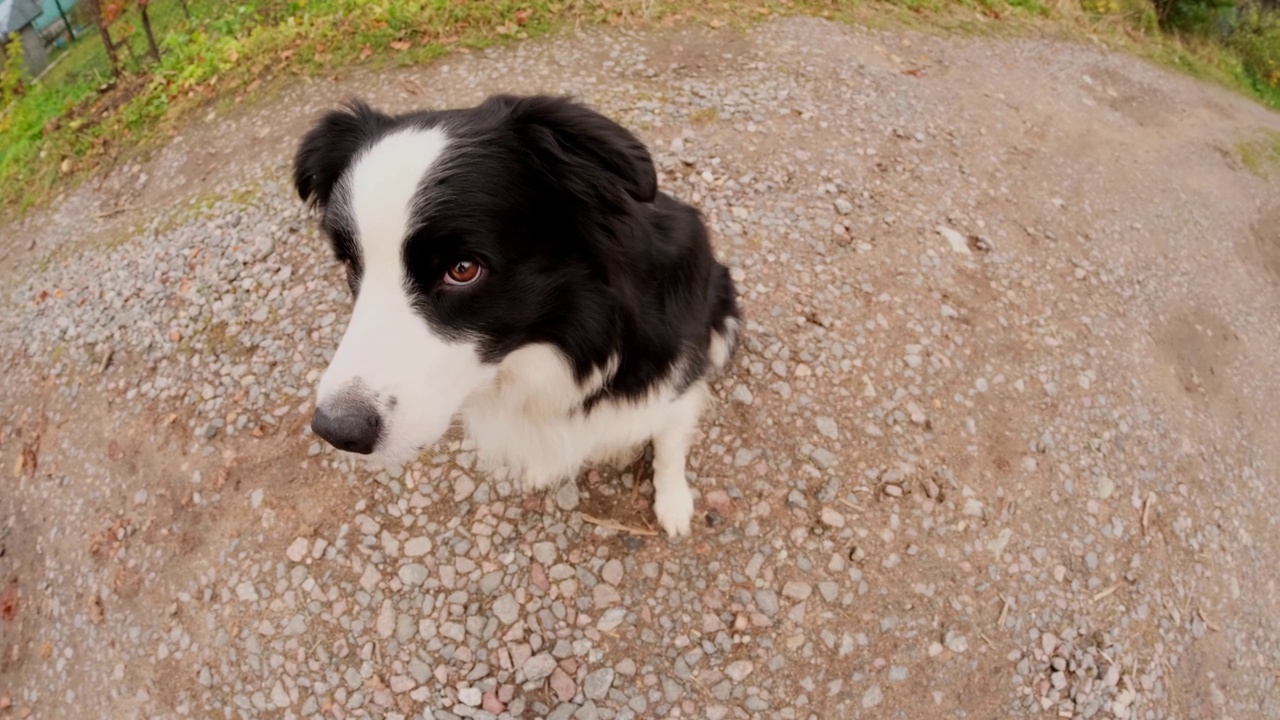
{"points": [[1000, 442]]}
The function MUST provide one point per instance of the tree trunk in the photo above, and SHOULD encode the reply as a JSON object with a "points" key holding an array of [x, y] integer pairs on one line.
{"points": [[146, 25], [95, 12], [186, 10]]}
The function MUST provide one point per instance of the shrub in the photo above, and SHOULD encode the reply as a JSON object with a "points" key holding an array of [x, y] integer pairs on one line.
{"points": [[1196, 17], [14, 66], [1257, 40]]}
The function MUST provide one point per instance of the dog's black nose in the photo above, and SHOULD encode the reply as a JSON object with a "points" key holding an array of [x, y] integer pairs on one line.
{"points": [[353, 426]]}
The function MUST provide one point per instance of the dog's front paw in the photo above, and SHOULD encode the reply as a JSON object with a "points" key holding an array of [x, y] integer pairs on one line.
{"points": [[674, 508]]}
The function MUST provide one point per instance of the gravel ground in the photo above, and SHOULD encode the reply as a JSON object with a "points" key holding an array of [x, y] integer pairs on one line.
{"points": [[997, 444]]}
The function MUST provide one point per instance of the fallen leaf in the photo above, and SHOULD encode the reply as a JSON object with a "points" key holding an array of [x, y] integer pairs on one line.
{"points": [[126, 583], [46, 650], [9, 601], [108, 539], [400, 44], [96, 613], [113, 450], [365, 52], [29, 459]]}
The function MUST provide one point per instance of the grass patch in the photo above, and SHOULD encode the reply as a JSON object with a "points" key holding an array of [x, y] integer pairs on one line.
{"points": [[704, 116], [1261, 155], [65, 128]]}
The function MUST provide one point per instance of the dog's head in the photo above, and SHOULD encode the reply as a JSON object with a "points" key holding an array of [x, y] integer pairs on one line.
{"points": [[465, 235]]}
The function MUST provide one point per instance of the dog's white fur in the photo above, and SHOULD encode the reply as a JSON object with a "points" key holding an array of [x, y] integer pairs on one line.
{"points": [[524, 413]]}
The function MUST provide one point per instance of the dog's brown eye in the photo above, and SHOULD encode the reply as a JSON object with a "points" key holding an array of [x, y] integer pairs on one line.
{"points": [[462, 273]]}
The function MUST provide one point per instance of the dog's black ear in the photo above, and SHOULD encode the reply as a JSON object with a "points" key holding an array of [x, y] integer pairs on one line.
{"points": [[330, 146], [591, 155]]}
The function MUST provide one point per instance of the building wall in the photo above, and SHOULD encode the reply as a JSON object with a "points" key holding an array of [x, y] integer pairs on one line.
{"points": [[33, 50]]}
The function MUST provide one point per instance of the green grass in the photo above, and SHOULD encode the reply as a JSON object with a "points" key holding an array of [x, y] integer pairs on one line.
{"points": [[1261, 155], [63, 129]]}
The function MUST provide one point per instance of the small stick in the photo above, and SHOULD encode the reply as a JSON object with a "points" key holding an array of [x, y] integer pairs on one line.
{"points": [[1004, 609], [635, 478], [610, 524], [1146, 510], [1207, 622], [1106, 593], [117, 211], [412, 86], [106, 361]]}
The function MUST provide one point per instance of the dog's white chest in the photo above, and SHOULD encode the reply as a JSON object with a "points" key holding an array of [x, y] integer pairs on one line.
{"points": [[529, 422]]}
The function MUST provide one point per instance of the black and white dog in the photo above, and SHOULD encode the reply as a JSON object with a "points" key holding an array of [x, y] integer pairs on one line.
{"points": [[513, 264]]}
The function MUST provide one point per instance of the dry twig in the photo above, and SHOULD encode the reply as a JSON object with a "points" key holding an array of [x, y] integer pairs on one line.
{"points": [[116, 211], [610, 524]]}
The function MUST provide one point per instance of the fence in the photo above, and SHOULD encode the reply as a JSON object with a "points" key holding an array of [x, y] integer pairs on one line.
{"points": [[101, 39]]}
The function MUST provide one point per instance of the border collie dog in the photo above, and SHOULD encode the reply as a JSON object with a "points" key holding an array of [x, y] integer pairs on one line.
{"points": [[513, 265]]}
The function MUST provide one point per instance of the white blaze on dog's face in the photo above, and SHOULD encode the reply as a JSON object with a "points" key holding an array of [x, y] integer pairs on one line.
{"points": [[394, 383]]}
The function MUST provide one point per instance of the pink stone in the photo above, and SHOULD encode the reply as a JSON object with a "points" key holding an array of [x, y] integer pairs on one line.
{"points": [[491, 703], [563, 685]]}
